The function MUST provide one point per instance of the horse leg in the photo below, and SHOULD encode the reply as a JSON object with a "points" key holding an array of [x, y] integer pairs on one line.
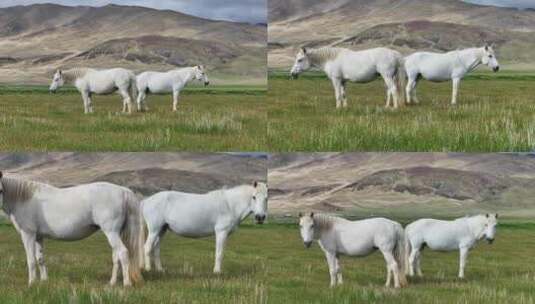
{"points": [[220, 240], [391, 91], [388, 98], [89, 104], [418, 264], [393, 267], [127, 101], [120, 254], [39, 256], [411, 84], [150, 243], [331, 262], [456, 82], [157, 260], [28, 239], [141, 101], [85, 97], [462, 263], [337, 84], [343, 94], [338, 270], [175, 100]]}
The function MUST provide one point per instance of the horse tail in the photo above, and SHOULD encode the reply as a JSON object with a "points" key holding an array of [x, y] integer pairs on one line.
{"points": [[400, 78], [408, 249], [399, 255], [133, 87], [133, 236]]}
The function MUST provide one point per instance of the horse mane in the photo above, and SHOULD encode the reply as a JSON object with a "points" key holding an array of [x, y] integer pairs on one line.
{"points": [[320, 55], [324, 221], [74, 73], [18, 191]]}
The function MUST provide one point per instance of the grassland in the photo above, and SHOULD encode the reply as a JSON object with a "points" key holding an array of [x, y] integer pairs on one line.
{"points": [[216, 118], [268, 264], [495, 112]]}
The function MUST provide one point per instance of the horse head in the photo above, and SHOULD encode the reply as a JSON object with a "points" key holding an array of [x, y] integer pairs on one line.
{"points": [[57, 81], [489, 58], [201, 75], [259, 202], [301, 64], [491, 220], [306, 228]]}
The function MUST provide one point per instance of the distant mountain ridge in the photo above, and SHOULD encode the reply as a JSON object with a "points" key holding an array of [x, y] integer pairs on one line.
{"points": [[37, 38]]}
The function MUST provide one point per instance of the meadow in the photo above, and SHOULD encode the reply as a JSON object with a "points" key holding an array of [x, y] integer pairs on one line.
{"points": [[495, 113], [215, 118], [269, 264]]}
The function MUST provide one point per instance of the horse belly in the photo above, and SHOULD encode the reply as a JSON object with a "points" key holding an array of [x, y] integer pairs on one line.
{"points": [[156, 86], [436, 71], [360, 74], [191, 224], [106, 87], [68, 231]]}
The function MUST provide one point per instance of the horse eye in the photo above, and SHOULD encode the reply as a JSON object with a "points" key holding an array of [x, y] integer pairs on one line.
{"points": [[300, 60], [254, 197], [490, 56]]}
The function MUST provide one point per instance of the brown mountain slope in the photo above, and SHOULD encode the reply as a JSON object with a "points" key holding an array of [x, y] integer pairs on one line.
{"points": [[42, 37], [407, 23], [402, 182]]}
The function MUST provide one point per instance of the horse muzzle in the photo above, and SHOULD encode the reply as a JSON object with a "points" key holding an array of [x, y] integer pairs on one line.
{"points": [[307, 244], [206, 83], [496, 69], [52, 91], [294, 75], [260, 219], [490, 241]]}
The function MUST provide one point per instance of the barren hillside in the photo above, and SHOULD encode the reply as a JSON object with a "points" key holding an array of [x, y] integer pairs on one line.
{"points": [[36, 39], [371, 183]]}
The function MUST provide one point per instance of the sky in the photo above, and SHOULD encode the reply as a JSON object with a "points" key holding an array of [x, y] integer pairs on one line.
{"points": [[506, 3], [252, 11]]}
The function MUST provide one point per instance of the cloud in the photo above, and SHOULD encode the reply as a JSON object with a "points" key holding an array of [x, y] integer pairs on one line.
{"points": [[506, 3], [252, 11]]}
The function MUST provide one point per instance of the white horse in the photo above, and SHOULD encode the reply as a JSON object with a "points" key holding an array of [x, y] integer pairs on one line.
{"points": [[438, 67], [165, 82], [342, 65], [40, 211], [356, 238], [199, 215], [90, 81], [461, 234]]}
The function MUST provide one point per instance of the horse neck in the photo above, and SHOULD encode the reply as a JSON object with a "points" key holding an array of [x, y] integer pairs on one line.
{"points": [[471, 58], [318, 57], [17, 191], [188, 74], [322, 224], [239, 201], [73, 74], [477, 226]]}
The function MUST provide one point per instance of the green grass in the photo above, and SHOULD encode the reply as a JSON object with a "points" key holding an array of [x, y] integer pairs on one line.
{"points": [[268, 264], [495, 113], [224, 118]]}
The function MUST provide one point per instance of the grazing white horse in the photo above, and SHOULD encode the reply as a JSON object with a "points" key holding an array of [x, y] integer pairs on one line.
{"points": [[90, 81], [199, 215], [342, 65], [461, 234], [356, 238], [165, 82], [438, 67], [40, 211]]}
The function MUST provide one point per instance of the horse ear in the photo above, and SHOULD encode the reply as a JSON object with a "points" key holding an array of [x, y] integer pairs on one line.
{"points": [[486, 47], [311, 214], [304, 50], [1, 174], [255, 184], [300, 214], [494, 216], [487, 215]]}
